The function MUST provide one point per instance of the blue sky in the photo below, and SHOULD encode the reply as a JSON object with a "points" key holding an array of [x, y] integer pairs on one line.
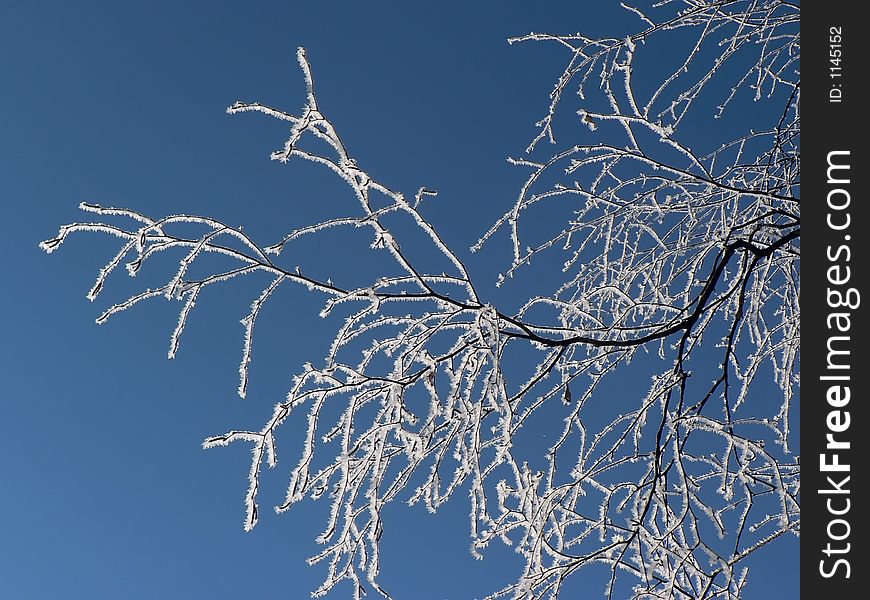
{"points": [[106, 491]]}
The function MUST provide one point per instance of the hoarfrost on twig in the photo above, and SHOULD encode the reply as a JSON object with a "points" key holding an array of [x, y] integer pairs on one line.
{"points": [[686, 253]]}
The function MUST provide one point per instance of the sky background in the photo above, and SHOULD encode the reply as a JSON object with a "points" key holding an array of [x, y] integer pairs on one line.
{"points": [[106, 492]]}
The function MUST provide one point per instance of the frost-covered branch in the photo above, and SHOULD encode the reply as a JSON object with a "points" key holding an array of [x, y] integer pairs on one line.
{"points": [[679, 241]]}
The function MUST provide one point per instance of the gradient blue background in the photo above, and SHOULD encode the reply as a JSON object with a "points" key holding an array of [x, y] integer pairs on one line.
{"points": [[105, 490]]}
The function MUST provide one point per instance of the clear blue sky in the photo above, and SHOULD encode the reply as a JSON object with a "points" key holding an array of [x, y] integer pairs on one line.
{"points": [[106, 492]]}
